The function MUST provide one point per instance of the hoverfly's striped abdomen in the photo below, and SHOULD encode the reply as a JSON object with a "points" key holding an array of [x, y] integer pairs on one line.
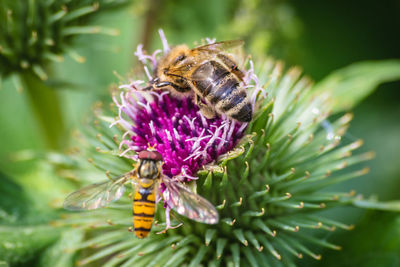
{"points": [[143, 211], [219, 86]]}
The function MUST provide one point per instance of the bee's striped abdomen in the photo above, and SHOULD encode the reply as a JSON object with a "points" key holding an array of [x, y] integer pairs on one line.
{"points": [[221, 88], [143, 211]]}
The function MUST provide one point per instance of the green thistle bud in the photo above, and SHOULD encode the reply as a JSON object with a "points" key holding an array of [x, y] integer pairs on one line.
{"points": [[34, 33], [269, 190]]}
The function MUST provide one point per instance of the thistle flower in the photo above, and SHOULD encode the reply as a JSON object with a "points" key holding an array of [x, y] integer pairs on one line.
{"points": [[185, 138], [269, 179]]}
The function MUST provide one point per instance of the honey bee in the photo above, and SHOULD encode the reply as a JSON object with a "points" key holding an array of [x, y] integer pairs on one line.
{"points": [[210, 74], [146, 179]]}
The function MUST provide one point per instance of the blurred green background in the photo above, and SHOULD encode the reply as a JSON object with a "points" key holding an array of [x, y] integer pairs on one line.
{"points": [[319, 36]]}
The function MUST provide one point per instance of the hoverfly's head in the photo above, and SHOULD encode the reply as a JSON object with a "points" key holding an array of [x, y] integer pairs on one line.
{"points": [[150, 163], [150, 155]]}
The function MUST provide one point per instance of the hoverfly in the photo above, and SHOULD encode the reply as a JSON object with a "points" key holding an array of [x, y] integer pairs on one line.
{"points": [[208, 73], [146, 179]]}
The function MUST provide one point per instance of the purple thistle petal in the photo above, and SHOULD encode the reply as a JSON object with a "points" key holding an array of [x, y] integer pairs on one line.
{"points": [[164, 41], [175, 126]]}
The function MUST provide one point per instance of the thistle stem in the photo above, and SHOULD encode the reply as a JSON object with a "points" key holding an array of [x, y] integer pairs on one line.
{"points": [[45, 103]]}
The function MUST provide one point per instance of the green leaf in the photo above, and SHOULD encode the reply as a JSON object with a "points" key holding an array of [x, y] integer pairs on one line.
{"points": [[353, 83]]}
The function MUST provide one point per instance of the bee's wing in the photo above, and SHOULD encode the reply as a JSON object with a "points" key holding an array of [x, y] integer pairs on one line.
{"points": [[95, 196], [220, 46], [203, 73], [189, 204], [202, 52]]}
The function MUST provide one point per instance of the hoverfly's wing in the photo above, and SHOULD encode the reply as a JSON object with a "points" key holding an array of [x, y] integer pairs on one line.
{"points": [[189, 204], [96, 195], [220, 46]]}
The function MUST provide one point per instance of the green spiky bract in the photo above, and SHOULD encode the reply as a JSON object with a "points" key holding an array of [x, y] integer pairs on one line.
{"points": [[269, 191]]}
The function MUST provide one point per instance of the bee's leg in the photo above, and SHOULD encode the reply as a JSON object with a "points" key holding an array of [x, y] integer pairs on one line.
{"points": [[151, 85], [177, 88], [207, 111], [230, 63]]}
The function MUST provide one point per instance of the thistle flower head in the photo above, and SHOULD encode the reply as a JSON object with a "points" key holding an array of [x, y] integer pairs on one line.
{"points": [[269, 179], [185, 138], [175, 126]]}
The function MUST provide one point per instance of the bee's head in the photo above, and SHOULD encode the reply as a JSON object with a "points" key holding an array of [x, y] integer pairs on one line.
{"points": [[175, 62]]}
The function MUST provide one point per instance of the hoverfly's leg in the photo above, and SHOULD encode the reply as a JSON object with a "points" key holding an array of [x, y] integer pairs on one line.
{"points": [[207, 111], [168, 222]]}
